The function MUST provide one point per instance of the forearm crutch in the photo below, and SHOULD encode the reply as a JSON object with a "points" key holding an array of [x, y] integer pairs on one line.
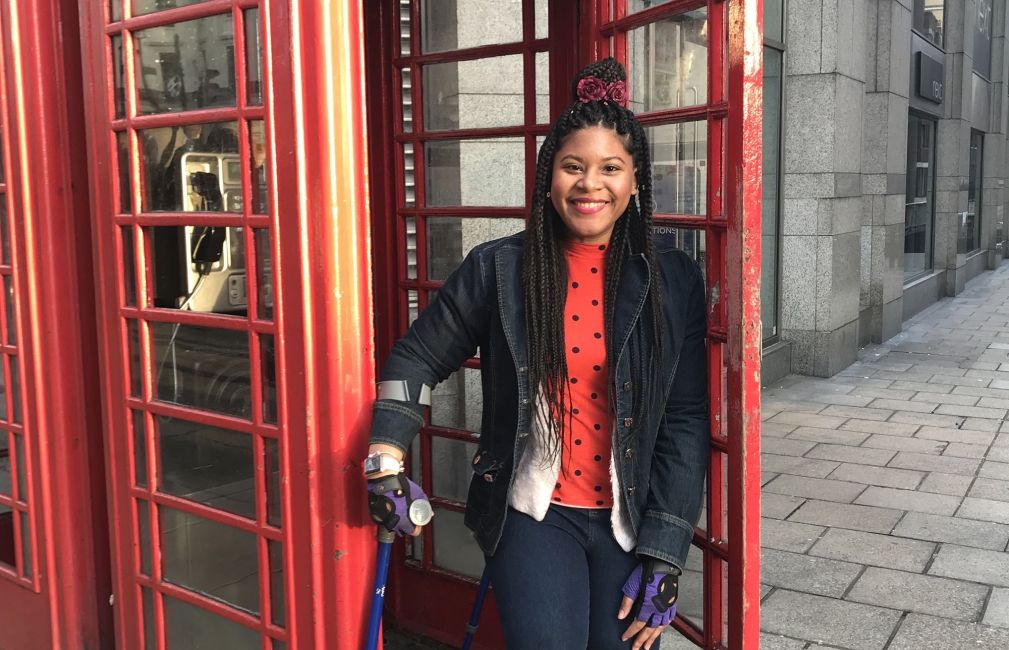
{"points": [[474, 617], [385, 540]]}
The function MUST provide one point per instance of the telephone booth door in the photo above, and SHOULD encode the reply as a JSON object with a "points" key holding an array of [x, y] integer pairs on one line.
{"points": [[468, 90]]}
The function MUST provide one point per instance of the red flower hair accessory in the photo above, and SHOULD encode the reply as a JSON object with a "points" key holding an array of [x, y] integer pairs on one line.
{"points": [[593, 89]]}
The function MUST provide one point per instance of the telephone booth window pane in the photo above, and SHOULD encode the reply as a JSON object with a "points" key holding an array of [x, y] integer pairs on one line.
{"points": [[488, 171], [451, 467], [123, 163], [410, 237], [15, 392], [139, 449], [119, 87], [689, 240], [5, 238], [19, 456], [26, 546], [199, 268], [5, 466], [3, 389], [542, 18], [192, 628], [129, 281], [186, 66], [133, 335], [150, 6], [669, 62], [186, 168], [253, 60], [268, 364], [215, 560], [9, 308], [457, 402], [542, 87], [277, 600], [634, 6], [481, 93], [406, 96], [202, 367], [679, 167], [409, 181], [149, 630], [274, 504], [450, 239], [115, 10], [258, 181], [264, 274], [453, 25], [208, 465], [144, 535], [455, 548], [7, 536]]}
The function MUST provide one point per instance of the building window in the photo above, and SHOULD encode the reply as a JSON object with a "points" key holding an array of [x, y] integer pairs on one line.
{"points": [[969, 236], [982, 10], [771, 197], [920, 205], [928, 19]]}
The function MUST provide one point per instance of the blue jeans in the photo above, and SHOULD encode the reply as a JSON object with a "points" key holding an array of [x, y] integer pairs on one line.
{"points": [[557, 582]]}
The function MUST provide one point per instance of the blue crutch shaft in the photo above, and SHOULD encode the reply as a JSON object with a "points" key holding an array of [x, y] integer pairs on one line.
{"points": [[385, 539], [474, 617]]}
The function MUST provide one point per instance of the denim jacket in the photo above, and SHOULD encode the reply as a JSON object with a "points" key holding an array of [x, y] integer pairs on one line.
{"points": [[661, 453]]}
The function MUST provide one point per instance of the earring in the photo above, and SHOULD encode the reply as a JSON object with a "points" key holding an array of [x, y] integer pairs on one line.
{"points": [[548, 194]]}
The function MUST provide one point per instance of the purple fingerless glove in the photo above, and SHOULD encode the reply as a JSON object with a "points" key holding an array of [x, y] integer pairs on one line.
{"points": [[398, 504], [655, 596]]}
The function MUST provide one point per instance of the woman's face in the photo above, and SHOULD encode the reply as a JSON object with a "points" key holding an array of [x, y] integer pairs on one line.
{"points": [[593, 181]]}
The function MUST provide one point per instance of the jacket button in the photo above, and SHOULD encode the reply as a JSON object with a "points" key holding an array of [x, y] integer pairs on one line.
{"points": [[525, 400], [630, 490], [628, 422], [523, 434], [627, 385], [628, 452], [522, 368]]}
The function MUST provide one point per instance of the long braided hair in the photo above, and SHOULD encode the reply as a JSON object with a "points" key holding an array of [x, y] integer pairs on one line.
{"points": [[544, 266]]}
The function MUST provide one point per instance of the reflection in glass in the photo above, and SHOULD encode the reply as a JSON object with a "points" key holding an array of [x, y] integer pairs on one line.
{"points": [[409, 180], [689, 240], [149, 6], [277, 601], [679, 167], [253, 60], [139, 449], [21, 469], [268, 366], [774, 11], [198, 268], [274, 502], [7, 556], [919, 204], [455, 548], [459, 172], [457, 402], [669, 62], [144, 535], [451, 467], [969, 236], [449, 239], [257, 148], [927, 18], [118, 77], [133, 340], [5, 465], [480, 93], [452, 25], [5, 236], [4, 360], [406, 97], [149, 630], [207, 465], [410, 231], [210, 558], [12, 335], [186, 66], [192, 168], [770, 202], [412, 305], [123, 164], [188, 628], [129, 280], [202, 367], [264, 274]]}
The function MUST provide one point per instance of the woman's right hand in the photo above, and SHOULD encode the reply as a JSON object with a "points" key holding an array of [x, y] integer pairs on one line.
{"points": [[394, 501]]}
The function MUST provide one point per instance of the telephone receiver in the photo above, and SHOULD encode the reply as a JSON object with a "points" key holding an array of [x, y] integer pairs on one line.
{"points": [[207, 241], [208, 186]]}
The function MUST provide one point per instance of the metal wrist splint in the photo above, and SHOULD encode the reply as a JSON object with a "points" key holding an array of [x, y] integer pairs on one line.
{"points": [[654, 586], [399, 391]]}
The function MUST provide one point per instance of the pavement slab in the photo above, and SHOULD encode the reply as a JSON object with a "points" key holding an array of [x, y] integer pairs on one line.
{"points": [[848, 454], [797, 465], [778, 506], [931, 463], [808, 574], [985, 510], [921, 632], [914, 592], [843, 515], [828, 621], [936, 504], [788, 535], [883, 476], [997, 612], [987, 488], [940, 483], [874, 549], [977, 565], [815, 488]]}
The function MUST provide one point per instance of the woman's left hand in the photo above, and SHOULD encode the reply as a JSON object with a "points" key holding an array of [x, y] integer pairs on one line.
{"points": [[654, 587]]}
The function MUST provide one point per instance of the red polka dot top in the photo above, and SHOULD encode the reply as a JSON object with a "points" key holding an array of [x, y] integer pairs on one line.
{"points": [[584, 479]]}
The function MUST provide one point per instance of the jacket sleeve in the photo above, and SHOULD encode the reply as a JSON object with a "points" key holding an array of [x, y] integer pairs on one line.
{"points": [[445, 334], [680, 458]]}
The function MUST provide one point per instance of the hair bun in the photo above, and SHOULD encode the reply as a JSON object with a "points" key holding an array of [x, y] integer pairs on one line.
{"points": [[610, 73]]}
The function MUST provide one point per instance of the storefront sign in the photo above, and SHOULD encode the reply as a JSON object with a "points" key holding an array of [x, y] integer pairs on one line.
{"points": [[930, 77]]}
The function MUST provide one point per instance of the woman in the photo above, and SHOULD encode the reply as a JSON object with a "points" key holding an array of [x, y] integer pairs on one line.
{"points": [[594, 446]]}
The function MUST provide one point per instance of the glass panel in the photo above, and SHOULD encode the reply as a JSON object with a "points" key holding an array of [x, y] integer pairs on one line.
{"points": [[669, 62], [274, 502], [268, 366], [412, 305], [198, 268], [773, 15], [409, 181], [474, 94], [210, 558], [208, 465], [449, 239], [253, 59], [193, 628], [455, 548], [5, 465], [634, 6], [203, 367], [542, 18], [133, 336], [15, 391], [488, 171], [5, 237], [410, 225], [7, 536], [457, 402], [3, 387], [689, 240], [123, 164], [451, 25], [149, 6], [968, 238], [404, 27], [264, 273], [115, 10], [679, 167], [144, 535], [186, 167], [118, 80], [129, 280], [277, 600], [451, 468], [22, 468], [12, 334], [149, 630], [770, 203], [927, 18], [406, 97], [279, 645], [257, 147], [542, 87], [139, 449], [186, 66], [919, 204], [26, 545]]}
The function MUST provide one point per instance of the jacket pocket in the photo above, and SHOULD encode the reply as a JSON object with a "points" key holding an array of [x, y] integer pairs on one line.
{"points": [[486, 466]]}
